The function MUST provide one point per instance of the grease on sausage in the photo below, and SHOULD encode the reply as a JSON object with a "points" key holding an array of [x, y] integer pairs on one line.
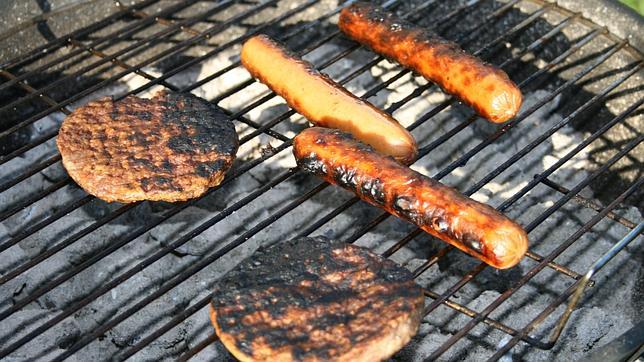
{"points": [[482, 86], [324, 102], [471, 226]]}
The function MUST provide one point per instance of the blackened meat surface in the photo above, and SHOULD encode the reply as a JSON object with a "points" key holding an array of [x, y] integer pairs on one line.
{"points": [[171, 147], [316, 299]]}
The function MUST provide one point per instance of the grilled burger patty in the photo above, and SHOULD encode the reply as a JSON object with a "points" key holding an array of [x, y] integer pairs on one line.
{"points": [[312, 299], [169, 148]]}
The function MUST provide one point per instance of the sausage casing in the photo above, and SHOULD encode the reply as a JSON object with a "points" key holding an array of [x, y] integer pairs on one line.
{"points": [[487, 89], [324, 102], [471, 226]]}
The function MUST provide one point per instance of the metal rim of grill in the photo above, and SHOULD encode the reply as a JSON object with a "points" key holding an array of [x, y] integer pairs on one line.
{"points": [[136, 19]]}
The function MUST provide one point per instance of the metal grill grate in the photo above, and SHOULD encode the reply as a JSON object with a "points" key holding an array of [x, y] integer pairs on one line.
{"points": [[73, 257]]}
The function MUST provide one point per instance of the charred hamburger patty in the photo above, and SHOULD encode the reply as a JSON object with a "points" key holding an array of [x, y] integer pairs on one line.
{"points": [[312, 299], [169, 148]]}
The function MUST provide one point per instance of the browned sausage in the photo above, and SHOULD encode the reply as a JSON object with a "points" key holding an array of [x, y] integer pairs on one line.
{"points": [[482, 86], [471, 226], [324, 102]]}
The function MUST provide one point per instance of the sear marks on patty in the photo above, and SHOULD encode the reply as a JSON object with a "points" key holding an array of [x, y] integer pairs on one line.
{"points": [[172, 147], [312, 299]]}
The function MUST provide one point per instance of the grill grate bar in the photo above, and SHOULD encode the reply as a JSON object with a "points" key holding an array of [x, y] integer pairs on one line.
{"points": [[537, 141], [151, 40], [489, 321], [176, 320], [528, 276], [402, 242], [60, 246], [161, 20], [523, 115], [570, 154], [115, 60], [30, 172], [470, 34], [109, 39], [627, 148], [563, 296], [22, 149], [326, 218], [588, 203], [31, 93], [205, 261], [41, 51], [579, 233], [558, 267], [59, 213], [198, 348], [35, 198], [454, 288]]}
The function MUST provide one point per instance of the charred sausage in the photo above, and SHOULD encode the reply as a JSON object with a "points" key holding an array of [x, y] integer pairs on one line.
{"points": [[471, 226], [482, 86], [324, 102]]}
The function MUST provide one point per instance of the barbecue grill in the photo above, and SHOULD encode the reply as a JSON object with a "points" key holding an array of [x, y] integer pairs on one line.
{"points": [[88, 280]]}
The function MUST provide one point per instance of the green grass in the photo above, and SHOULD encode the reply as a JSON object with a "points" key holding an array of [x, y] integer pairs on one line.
{"points": [[638, 5]]}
